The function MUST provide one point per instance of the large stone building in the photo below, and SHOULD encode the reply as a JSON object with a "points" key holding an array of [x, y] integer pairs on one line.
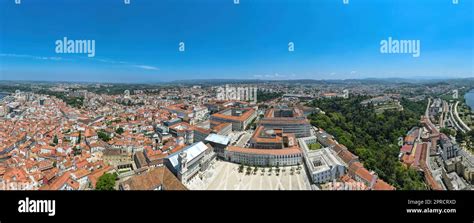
{"points": [[191, 161], [290, 120], [264, 157], [323, 164], [189, 113], [448, 148], [271, 139], [189, 133], [219, 143], [117, 158], [221, 128], [239, 117]]}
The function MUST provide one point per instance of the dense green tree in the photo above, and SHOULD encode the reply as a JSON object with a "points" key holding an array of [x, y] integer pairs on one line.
{"points": [[448, 131], [104, 136], [106, 182], [461, 136], [76, 151], [119, 130], [267, 96], [79, 138], [371, 136]]}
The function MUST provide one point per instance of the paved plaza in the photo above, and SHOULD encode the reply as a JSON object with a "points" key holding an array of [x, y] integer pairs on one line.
{"points": [[226, 176]]}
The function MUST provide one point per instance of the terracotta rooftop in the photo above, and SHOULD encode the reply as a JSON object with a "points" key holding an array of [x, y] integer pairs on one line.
{"points": [[150, 180], [61, 181], [248, 112], [220, 126], [406, 148], [382, 185]]}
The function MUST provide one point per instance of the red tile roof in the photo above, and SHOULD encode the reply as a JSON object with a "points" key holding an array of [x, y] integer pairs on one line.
{"points": [[406, 148], [241, 118], [382, 185], [154, 178]]}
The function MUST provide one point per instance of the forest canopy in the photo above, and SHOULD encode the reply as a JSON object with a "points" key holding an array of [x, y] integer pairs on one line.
{"points": [[371, 136]]}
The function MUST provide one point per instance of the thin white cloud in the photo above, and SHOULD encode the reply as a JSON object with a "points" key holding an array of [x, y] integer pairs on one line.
{"points": [[104, 60], [109, 61], [146, 67], [29, 56], [48, 58], [13, 55], [275, 76]]}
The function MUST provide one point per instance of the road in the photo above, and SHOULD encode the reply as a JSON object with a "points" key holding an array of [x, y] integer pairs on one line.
{"points": [[427, 111], [243, 139], [453, 120], [459, 119], [444, 115]]}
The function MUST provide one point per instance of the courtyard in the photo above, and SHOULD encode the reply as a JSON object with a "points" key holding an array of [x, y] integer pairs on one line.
{"points": [[230, 176]]}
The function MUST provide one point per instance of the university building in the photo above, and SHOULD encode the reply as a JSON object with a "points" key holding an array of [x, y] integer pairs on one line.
{"points": [[264, 157], [240, 118], [323, 164], [271, 139], [191, 161], [219, 143], [290, 120]]}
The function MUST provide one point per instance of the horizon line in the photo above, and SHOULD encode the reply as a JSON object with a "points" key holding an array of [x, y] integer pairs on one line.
{"points": [[419, 78]]}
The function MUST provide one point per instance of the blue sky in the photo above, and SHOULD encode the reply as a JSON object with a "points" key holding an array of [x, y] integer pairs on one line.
{"points": [[139, 42]]}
